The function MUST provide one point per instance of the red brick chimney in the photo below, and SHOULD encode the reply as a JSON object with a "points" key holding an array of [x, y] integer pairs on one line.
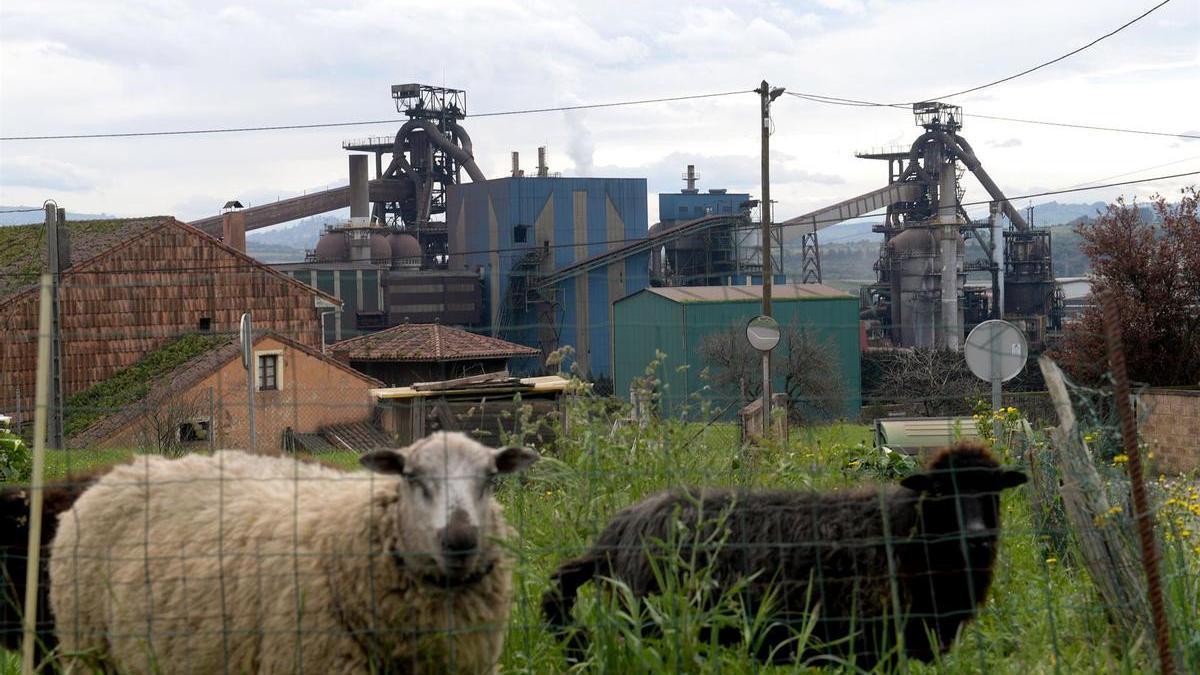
{"points": [[233, 230]]}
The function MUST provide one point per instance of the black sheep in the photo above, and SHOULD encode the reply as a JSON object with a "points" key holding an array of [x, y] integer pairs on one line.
{"points": [[14, 556], [826, 553]]}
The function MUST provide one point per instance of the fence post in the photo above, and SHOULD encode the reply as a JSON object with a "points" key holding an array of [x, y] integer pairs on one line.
{"points": [[40, 417], [1143, 516]]}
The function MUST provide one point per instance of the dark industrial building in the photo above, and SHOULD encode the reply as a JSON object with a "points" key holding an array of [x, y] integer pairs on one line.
{"points": [[377, 273]]}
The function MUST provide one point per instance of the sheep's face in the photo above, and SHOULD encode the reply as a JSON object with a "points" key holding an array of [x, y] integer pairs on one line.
{"points": [[964, 499], [446, 502]]}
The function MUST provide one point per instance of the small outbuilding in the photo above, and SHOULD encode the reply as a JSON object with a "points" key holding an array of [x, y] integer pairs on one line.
{"points": [[191, 395], [426, 352], [674, 321]]}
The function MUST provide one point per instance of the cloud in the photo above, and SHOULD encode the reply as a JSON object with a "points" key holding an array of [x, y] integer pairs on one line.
{"points": [[1006, 143], [141, 65], [43, 172]]}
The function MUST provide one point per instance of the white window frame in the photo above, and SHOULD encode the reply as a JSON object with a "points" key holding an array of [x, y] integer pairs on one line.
{"points": [[278, 353]]}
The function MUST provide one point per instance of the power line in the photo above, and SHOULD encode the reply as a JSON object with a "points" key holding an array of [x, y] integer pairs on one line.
{"points": [[1086, 126], [328, 125], [857, 103], [588, 106], [1055, 60], [780, 225]]}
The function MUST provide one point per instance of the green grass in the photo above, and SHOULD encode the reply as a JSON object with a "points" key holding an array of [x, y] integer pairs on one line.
{"points": [[131, 384], [1042, 615]]}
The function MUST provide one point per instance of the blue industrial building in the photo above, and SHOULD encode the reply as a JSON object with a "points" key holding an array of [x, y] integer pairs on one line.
{"points": [[519, 232], [692, 204]]}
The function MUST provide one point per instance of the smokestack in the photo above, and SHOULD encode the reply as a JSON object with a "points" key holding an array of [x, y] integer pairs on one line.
{"points": [[542, 169], [233, 229], [690, 179], [516, 164], [360, 187], [948, 222]]}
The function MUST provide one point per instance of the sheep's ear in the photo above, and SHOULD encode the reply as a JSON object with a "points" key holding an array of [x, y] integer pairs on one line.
{"points": [[513, 458], [383, 461], [1011, 478], [918, 482]]}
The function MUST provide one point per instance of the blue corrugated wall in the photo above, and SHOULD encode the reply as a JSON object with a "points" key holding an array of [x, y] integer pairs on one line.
{"points": [[579, 223]]}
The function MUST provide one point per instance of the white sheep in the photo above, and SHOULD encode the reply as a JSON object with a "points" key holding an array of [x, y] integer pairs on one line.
{"points": [[244, 563]]}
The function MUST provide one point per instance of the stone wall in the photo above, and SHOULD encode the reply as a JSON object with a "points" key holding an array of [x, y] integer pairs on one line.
{"points": [[1169, 421]]}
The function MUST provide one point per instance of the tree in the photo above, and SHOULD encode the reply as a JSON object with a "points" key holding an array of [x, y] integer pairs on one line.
{"points": [[936, 378], [171, 426], [807, 364], [1152, 271]]}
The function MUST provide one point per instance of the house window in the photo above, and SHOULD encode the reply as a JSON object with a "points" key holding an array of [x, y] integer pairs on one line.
{"points": [[193, 431], [205, 324], [268, 372], [520, 234]]}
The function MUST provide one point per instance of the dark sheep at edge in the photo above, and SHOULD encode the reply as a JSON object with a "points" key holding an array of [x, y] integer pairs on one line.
{"points": [[823, 553], [57, 498]]}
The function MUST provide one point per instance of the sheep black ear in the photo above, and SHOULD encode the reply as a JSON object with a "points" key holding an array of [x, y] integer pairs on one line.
{"points": [[383, 461], [918, 482], [1011, 478], [513, 458]]}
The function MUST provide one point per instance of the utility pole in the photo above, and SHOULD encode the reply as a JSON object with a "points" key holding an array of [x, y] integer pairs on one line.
{"points": [[55, 222], [766, 95]]}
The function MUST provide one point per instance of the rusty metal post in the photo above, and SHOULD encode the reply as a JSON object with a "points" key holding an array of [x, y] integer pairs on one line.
{"points": [[1142, 514]]}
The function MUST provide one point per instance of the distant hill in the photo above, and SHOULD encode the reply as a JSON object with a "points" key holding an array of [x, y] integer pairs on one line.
{"points": [[37, 215], [299, 234], [1044, 215]]}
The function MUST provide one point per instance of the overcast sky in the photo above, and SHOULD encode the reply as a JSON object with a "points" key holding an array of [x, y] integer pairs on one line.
{"points": [[79, 67]]}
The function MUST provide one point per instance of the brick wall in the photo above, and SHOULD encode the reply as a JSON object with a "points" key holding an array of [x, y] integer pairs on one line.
{"points": [[142, 293], [313, 393], [1169, 421]]}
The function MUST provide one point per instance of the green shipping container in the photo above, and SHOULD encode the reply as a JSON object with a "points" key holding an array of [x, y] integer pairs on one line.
{"points": [[674, 321]]}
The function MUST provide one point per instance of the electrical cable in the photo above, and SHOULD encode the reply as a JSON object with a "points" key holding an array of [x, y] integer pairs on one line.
{"points": [[326, 125], [1086, 126], [833, 100], [1054, 60]]}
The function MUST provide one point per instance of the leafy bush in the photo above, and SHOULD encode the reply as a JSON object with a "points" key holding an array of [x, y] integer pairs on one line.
{"points": [[16, 463], [882, 464]]}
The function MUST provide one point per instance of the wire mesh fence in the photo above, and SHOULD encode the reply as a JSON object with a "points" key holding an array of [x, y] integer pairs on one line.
{"points": [[307, 511]]}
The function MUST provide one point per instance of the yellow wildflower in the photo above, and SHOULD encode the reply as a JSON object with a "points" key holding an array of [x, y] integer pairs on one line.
{"points": [[1120, 459]]}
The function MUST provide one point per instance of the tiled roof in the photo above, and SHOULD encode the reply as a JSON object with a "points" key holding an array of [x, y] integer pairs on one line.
{"points": [[686, 294], [427, 342], [23, 254], [23, 247], [187, 375]]}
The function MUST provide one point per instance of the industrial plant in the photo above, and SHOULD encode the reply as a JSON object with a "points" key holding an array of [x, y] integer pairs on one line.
{"points": [[540, 259]]}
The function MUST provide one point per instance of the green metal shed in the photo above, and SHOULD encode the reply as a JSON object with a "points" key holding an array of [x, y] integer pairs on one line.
{"points": [[674, 320]]}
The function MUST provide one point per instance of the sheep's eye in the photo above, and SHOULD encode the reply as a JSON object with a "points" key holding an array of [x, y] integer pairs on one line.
{"points": [[420, 484], [488, 484]]}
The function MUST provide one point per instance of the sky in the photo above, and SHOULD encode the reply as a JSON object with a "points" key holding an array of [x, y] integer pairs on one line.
{"points": [[87, 67]]}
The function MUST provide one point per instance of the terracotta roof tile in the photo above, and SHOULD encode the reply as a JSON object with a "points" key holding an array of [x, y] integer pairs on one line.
{"points": [[427, 342]]}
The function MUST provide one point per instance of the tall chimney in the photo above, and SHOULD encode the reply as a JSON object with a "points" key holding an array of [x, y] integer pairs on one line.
{"points": [[690, 180], [542, 169], [516, 164], [360, 187], [233, 229]]}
